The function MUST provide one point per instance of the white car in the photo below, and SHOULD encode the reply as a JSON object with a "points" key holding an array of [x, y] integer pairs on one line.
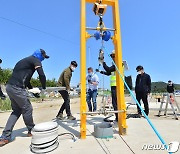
{"points": [[177, 93]]}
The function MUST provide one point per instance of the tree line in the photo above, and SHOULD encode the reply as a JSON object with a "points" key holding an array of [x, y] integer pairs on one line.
{"points": [[5, 74]]}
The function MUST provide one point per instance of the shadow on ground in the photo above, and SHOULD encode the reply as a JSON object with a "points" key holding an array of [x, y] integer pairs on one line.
{"points": [[67, 125]]}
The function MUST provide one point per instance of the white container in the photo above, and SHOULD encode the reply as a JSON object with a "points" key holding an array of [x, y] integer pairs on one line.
{"points": [[44, 137]]}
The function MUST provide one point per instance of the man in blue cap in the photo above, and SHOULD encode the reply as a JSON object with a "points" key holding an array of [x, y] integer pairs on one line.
{"points": [[16, 90]]}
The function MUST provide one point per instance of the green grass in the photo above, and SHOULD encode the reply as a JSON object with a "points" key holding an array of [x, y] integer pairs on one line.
{"points": [[5, 105]]}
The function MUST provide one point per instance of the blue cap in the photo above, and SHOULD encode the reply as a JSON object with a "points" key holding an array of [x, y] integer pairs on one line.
{"points": [[40, 54]]}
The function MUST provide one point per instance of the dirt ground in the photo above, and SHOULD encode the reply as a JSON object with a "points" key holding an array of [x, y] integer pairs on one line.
{"points": [[138, 131]]}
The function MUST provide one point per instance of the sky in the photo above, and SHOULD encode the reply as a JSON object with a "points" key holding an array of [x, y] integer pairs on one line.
{"points": [[150, 31]]}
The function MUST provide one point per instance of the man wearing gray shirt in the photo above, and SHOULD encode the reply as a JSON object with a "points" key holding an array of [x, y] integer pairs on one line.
{"points": [[93, 82]]}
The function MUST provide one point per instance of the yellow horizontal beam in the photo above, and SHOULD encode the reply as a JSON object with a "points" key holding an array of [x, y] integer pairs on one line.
{"points": [[108, 2]]}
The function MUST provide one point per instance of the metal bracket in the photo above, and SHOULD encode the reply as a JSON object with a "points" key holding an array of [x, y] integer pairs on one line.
{"points": [[104, 112]]}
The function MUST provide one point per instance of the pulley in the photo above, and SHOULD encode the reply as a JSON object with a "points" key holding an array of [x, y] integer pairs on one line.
{"points": [[101, 56], [99, 9], [106, 35]]}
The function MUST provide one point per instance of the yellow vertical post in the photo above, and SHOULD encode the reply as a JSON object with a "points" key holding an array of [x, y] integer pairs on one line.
{"points": [[118, 61], [83, 70]]}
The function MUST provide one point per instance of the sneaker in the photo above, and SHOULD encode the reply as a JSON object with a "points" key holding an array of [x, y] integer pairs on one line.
{"points": [[60, 116], [71, 117], [3, 141], [29, 134]]}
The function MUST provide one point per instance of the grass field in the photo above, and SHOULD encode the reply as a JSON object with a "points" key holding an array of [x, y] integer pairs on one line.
{"points": [[5, 105]]}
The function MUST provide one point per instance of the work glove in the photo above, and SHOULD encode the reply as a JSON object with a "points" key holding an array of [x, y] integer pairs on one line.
{"points": [[71, 89], [68, 91], [35, 91], [89, 81], [97, 70]]}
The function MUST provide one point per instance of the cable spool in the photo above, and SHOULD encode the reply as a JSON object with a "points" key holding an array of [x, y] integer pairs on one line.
{"points": [[44, 137], [106, 35], [97, 35]]}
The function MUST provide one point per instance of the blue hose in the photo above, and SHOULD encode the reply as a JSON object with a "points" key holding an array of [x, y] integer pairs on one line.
{"points": [[131, 93]]}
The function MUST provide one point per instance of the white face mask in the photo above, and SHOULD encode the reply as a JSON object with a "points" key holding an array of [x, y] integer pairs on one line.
{"points": [[170, 83], [139, 72], [90, 73], [73, 68]]}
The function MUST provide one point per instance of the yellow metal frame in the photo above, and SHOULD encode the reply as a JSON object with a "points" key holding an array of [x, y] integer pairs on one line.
{"points": [[118, 60]]}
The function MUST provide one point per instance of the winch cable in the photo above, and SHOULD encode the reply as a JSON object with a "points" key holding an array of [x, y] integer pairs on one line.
{"points": [[73, 136], [133, 96], [103, 102]]}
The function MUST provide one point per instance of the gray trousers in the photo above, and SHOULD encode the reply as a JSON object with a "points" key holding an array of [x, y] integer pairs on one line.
{"points": [[20, 105]]}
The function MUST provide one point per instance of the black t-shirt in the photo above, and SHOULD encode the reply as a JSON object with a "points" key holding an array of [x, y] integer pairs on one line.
{"points": [[143, 83], [170, 88], [24, 70]]}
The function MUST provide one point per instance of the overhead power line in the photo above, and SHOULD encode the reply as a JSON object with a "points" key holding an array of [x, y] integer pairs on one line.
{"points": [[38, 30]]}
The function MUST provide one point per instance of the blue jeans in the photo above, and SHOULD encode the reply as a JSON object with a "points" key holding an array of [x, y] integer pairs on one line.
{"points": [[91, 94]]}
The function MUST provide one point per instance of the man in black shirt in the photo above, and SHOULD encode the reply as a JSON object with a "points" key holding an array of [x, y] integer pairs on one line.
{"points": [[110, 71], [142, 89], [170, 87], [2, 96], [16, 90]]}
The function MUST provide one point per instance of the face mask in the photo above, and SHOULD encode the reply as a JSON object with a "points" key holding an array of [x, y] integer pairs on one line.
{"points": [[90, 73], [139, 72], [73, 68]]}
